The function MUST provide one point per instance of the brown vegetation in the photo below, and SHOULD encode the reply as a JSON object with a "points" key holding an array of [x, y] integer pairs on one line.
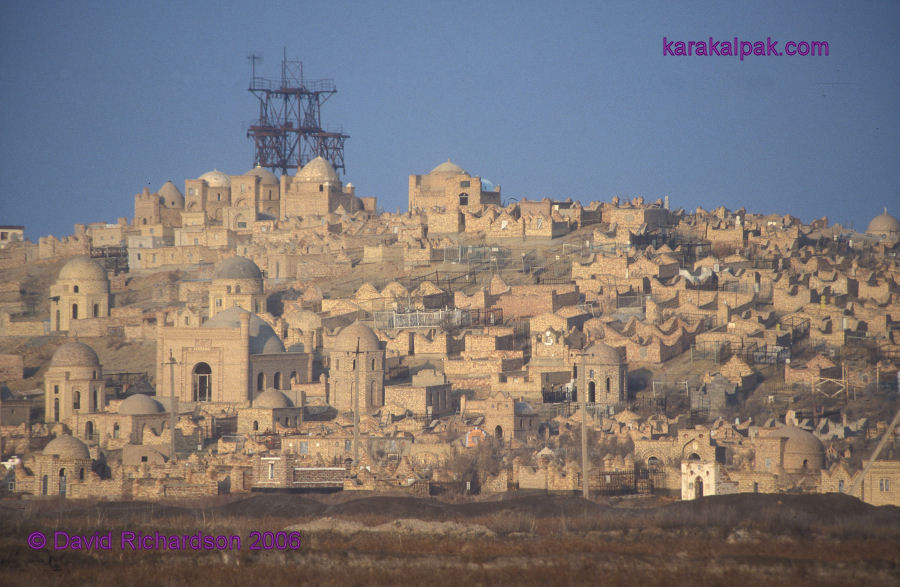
{"points": [[748, 539]]}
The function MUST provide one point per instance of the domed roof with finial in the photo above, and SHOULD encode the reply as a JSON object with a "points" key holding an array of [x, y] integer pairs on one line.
{"points": [[216, 179], [319, 170], [448, 167], [884, 225], [346, 340], [265, 176]]}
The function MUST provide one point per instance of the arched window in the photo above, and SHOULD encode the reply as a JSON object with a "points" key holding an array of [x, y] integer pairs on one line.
{"points": [[76, 400], [202, 383], [74, 311], [96, 399], [592, 393], [260, 382], [96, 310], [464, 199], [44, 482], [607, 385], [255, 425], [116, 430], [276, 380], [81, 474], [373, 364], [237, 289], [75, 288], [56, 409], [293, 377]]}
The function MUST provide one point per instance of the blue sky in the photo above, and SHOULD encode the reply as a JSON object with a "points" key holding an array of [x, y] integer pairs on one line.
{"points": [[564, 99]]}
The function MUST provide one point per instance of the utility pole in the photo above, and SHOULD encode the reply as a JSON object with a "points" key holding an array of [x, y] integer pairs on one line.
{"points": [[584, 443], [173, 406], [356, 406]]}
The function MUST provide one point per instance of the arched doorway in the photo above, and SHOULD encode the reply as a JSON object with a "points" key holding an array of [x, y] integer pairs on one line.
{"points": [[498, 432], [202, 383], [698, 488], [62, 482]]}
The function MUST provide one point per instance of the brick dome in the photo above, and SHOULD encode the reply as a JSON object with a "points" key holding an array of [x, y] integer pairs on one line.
{"points": [[171, 195], [602, 353], [802, 451], [74, 354], [319, 170], [266, 177], [237, 268], [67, 447], [82, 268], [272, 399], [263, 340], [347, 338], [448, 167], [216, 179], [884, 225], [140, 405]]}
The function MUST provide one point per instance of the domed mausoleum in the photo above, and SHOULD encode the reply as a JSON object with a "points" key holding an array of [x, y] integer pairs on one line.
{"points": [[237, 281], [885, 227], [81, 291]]}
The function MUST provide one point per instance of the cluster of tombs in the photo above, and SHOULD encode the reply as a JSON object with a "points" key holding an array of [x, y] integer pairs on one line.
{"points": [[388, 385]]}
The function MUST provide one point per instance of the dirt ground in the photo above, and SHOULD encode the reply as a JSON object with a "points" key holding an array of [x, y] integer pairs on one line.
{"points": [[521, 539]]}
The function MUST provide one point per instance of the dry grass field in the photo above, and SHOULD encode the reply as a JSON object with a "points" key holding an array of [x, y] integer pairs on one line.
{"points": [[526, 539]]}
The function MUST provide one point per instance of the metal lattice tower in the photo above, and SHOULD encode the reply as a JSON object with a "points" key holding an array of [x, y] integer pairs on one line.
{"points": [[288, 133]]}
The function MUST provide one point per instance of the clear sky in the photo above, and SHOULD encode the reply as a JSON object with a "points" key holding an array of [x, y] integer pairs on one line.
{"points": [[559, 99]]}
